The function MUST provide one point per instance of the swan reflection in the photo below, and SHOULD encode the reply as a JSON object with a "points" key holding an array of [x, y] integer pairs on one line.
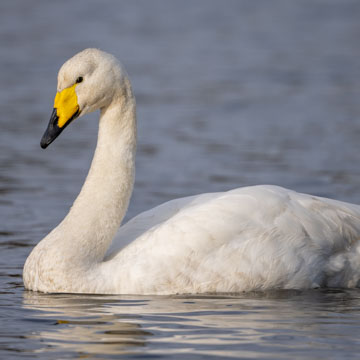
{"points": [[85, 324], [226, 326]]}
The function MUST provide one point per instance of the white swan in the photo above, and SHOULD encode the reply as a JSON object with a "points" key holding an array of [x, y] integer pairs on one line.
{"points": [[253, 238]]}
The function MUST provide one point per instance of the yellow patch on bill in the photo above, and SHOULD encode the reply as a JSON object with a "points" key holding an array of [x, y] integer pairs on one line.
{"points": [[66, 105]]}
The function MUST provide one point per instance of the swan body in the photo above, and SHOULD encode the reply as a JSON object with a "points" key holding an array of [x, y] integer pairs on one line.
{"points": [[252, 238]]}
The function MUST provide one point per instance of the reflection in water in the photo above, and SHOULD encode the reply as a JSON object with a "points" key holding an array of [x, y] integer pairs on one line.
{"points": [[84, 324], [227, 326]]}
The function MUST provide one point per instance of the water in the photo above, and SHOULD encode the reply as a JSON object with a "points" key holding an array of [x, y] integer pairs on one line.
{"points": [[229, 94]]}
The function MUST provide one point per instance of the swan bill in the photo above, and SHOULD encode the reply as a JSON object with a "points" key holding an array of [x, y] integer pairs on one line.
{"points": [[66, 109], [54, 130]]}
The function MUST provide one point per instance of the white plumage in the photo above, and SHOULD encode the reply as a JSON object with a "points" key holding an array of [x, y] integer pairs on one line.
{"points": [[253, 238]]}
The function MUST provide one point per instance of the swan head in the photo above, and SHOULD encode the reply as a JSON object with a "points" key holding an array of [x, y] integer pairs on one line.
{"points": [[86, 82]]}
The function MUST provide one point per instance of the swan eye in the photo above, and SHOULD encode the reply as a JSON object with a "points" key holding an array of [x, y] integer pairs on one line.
{"points": [[79, 79]]}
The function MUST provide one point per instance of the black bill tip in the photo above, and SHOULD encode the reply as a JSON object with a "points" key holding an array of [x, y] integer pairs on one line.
{"points": [[53, 130], [43, 144]]}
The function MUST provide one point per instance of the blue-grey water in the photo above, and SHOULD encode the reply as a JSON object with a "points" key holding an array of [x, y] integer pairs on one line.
{"points": [[229, 93]]}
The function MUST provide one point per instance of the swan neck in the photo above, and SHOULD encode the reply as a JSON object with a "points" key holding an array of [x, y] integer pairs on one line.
{"points": [[103, 201]]}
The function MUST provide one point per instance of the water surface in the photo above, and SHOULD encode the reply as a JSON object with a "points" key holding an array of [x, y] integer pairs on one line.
{"points": [[229, 94]]}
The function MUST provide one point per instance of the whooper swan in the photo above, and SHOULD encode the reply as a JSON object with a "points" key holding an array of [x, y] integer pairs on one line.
{"points": [[253, 238]]}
